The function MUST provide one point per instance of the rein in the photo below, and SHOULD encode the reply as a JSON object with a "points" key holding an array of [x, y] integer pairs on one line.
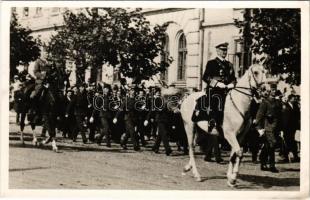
{"points": [[253, 92]]}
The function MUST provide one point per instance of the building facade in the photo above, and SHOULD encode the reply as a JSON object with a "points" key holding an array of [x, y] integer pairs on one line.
{"points": [[191, 37]]}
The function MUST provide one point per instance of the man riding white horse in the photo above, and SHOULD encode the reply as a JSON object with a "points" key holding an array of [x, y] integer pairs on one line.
{"points": [[220, 77], [234, 118]]}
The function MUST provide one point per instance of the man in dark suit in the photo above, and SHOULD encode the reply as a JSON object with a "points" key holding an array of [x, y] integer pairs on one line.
{"points": [[69, 121], [289, 124], [267, 119], [105, 115], [79, 104]]}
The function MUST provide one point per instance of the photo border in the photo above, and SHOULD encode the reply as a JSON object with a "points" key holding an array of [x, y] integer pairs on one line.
{"points": [[155, 194]]}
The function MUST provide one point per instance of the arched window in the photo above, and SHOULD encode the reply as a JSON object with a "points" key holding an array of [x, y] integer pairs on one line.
{"points": [[165, 56], [182, 51], [26, 12]]}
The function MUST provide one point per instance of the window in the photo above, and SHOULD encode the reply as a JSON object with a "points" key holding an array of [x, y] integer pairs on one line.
{"points": [[164, 57], [55, 11], [241, 59], [38, 11], [26, 12], [182, 51]]}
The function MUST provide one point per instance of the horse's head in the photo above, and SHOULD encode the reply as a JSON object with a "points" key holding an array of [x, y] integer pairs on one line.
{"points": [[257, 76]]}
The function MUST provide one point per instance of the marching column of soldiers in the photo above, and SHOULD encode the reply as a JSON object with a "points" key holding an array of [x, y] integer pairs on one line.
{"points": [[102, 113]]}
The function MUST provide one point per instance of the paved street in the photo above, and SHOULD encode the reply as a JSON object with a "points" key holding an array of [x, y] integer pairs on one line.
{"points": [[89, 166]]}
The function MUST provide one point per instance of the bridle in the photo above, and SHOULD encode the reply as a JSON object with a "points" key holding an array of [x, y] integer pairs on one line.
{"points": [[253, 90]]}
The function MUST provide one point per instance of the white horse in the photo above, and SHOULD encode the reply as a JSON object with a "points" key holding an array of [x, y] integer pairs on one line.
{"points": [[236, 105]]}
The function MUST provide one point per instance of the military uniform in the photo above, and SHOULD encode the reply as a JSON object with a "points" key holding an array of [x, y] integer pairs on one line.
{"points": [[162, 118], [91, 113], [218, 71], [131, 121], [142, 113], [105, 117], [219, 76], [40, 70]]}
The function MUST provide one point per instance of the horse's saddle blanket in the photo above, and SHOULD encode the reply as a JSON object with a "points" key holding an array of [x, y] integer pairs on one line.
{"points": [[204, 109]]}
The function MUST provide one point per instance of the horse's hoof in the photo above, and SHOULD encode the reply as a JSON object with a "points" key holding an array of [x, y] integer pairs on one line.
{"points": [[198, 179], [35, 142], [231, 184], [55, 149], [186, 169]]}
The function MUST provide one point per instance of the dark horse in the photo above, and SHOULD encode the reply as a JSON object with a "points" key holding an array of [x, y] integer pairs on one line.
{"points": [[44, 106]]}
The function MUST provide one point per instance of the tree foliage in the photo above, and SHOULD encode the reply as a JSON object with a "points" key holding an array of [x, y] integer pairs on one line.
{"points": [[23, 47], [276, 32], [119, 37]]}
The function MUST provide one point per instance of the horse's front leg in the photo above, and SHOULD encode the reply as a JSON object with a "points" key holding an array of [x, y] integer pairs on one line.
{"points": [[233, 167], [235, 156]]}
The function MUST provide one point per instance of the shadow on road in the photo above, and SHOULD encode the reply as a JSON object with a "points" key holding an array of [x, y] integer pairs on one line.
{"points": [[268, 182], [26, 169], [212, 178], [63, 148]]}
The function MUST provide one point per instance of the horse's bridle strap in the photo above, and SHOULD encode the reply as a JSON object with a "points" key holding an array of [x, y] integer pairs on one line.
{"points": [[236, 106]]}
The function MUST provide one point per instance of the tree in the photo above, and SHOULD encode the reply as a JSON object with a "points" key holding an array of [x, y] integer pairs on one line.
{"points": [[121, 38], [275, 32], [23, 47]]}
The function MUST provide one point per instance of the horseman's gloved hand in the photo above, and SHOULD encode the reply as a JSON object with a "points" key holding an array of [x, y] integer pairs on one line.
{"points": [[91, 120], [220, 85], [114, 121], [66, 115], [152, 120], [89, 105], [261, 132], [230, 86], [146, 123]]}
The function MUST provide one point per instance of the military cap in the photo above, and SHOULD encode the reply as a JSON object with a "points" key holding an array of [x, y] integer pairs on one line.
{"points": [[222, 46]]}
